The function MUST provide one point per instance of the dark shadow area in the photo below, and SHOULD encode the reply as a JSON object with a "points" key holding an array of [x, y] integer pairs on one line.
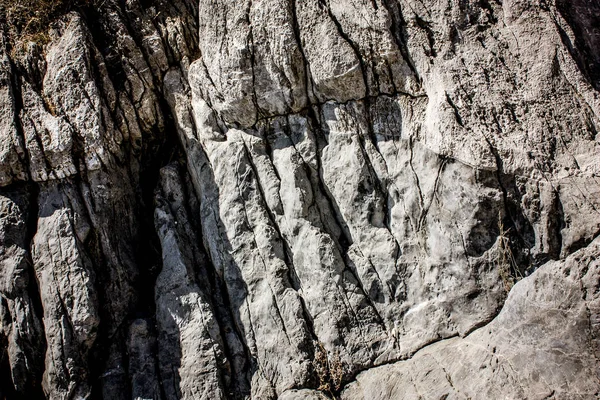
{"points": [[18, 223], [583, 16], [225, 290]]}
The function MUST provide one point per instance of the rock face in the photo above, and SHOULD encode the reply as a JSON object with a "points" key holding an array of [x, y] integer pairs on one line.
{"points": [[309, 199]]}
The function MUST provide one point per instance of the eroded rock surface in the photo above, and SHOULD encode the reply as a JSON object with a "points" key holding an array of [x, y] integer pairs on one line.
{"points": [[541, 345], [301, 200]]}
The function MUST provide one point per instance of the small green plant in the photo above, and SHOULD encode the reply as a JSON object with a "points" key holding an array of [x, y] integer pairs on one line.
{"points": [[505, 261], [330, 370]]}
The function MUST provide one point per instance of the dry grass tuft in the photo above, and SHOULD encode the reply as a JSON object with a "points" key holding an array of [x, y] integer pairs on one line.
{"points": [[32, 17], [329, 369], [28, 21], [505, 261]]}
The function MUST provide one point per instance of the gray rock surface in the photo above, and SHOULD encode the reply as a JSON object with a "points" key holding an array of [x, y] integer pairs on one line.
{"points": [[301, 200], [541, 345]]}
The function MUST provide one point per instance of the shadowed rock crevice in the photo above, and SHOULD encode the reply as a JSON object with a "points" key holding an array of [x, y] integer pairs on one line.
{"points": [[583, 18]]}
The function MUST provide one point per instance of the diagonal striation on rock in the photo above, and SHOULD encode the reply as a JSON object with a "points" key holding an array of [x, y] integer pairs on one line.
{"points": [[383, 199]]}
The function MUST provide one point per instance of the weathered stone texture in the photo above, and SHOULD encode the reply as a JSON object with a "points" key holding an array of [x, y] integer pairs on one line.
{"points": [[302, 200]]}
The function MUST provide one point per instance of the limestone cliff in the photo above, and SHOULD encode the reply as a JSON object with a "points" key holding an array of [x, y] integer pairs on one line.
{"points": [[301, 199]]}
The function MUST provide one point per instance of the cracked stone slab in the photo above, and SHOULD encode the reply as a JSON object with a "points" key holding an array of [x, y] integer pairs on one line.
{"points": [[543, 344]]}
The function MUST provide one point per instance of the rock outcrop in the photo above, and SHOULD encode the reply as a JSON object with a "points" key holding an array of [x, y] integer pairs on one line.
{"points": [[307, 199]]}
